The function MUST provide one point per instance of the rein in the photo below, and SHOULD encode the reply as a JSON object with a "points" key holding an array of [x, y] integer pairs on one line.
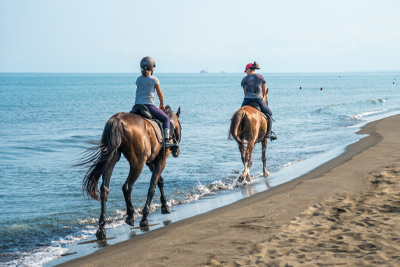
{"points": [[174, 137]]}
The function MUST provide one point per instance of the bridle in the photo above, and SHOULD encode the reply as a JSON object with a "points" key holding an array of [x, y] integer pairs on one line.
{"points": [[174, 137]]}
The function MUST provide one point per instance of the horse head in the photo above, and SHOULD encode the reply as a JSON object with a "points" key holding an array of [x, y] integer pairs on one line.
{"points": [[176, 136]]}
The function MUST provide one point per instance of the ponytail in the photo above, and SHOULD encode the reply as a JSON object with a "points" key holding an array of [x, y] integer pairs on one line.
{"points": [[255, 66], [145, 72]]}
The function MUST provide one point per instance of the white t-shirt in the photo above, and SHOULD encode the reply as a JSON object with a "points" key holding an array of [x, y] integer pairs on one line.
{"points": [[145, 87]]}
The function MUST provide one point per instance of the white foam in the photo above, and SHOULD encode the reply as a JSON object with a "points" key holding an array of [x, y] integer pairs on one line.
{"points": [[212, 188], [364, 114], [292, 162], [37, 257]]}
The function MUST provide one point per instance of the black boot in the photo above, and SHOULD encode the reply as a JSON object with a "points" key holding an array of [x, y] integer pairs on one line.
{"points": [[167, 143], [270, 134]]}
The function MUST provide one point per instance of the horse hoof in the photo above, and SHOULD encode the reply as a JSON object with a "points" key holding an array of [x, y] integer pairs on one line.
{"points": [[130, 221], [165, 210], [144, 223], [101, 234]]}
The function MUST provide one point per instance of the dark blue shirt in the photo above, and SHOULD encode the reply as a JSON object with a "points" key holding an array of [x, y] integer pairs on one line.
{"points": [[252, 85]]}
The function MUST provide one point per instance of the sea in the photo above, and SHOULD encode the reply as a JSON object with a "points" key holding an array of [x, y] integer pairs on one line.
{"points": [[48, 120]]}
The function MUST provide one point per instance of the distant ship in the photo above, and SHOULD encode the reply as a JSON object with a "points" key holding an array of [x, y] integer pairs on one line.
{"points": [[204, 71], [222, 71]]}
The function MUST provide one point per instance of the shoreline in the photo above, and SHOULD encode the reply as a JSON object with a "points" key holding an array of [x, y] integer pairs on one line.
{"points": [[226, 235]]}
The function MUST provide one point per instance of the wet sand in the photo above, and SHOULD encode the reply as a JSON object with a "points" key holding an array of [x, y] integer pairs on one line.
{"points": [[346, 211]]}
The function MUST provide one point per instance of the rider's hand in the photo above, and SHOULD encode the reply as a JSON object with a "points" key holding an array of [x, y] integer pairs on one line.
{"points": [[162, 106]]}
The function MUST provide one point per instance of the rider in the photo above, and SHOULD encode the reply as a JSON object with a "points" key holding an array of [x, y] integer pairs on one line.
{"points": [[146, 84], [254, 91]]}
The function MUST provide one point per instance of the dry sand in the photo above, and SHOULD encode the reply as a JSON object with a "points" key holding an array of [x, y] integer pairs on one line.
{"points": [[346, 212]]}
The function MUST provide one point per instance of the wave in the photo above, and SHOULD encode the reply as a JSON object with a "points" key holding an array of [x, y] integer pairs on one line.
{"points": [[36, 257], [362, 102], [368, 113], [35, 149], [292, 162]]}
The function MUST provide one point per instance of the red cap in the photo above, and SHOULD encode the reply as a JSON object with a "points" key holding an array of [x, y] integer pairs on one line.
{"points": [[248, 66]]}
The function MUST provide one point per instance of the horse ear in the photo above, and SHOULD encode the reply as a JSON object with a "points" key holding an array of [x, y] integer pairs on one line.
{"points": [[178, 112]]}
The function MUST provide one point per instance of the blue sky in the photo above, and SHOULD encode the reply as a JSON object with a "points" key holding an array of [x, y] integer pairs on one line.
{"points": [[187, 36]]}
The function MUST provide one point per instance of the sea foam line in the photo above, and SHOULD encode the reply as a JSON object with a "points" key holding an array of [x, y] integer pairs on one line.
{"points": [[368, 113], [333, 106]]}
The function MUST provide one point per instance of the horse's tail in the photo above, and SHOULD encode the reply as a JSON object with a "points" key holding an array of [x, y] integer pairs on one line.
{"points": [[235, 128], [100, 157]]}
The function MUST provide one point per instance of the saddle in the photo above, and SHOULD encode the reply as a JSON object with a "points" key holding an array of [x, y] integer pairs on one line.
{"points": [[256, 106], [144, 112]]}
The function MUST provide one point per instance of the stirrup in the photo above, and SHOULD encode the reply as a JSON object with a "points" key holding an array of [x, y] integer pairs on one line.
{"points": [[272, 136], [168, 144]]}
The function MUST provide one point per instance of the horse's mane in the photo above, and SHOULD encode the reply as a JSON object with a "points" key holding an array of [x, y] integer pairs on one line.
{"points": [[168, 111]]}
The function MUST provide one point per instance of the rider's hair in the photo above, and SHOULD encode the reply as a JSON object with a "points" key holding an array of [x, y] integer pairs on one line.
{"points": [[146, 72], [255, 66]]}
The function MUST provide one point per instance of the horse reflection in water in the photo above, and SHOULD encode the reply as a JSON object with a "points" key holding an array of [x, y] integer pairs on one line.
{"points": [[136, 139], [249, 124]]}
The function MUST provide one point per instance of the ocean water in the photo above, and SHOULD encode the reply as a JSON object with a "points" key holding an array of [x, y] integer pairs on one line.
{"points": [[47, 121]]}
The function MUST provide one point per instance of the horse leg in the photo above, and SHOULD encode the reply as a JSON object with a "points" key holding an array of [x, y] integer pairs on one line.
{"points": [[134, 174], [264, 158], [104, 192], [158, 168], [242, 150], [163, 199], [248, 161]]}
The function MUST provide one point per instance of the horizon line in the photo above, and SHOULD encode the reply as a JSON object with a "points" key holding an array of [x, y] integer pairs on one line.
{"points": [[294, 72]]}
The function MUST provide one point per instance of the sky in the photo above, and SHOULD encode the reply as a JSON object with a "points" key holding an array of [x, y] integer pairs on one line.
{"points": [[185, 36]]}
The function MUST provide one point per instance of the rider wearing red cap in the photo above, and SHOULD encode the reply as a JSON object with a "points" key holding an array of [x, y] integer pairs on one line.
{"points": [[254, 91]]}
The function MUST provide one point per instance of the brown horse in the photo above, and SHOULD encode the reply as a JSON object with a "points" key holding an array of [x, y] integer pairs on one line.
{"points": [[136, 139], [247, 123]]}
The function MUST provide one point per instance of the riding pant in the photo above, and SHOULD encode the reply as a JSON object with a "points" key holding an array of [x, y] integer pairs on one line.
{"points": [[159, 115], [263, 106]]}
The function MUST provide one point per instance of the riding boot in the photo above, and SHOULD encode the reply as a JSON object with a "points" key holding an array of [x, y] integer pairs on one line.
{"points": [[270, 134], [167, 143]]}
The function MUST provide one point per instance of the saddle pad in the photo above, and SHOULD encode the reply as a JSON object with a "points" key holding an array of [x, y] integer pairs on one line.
{"points": [[157, 129]]}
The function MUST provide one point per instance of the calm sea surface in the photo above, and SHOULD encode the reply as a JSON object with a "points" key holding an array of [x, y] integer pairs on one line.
{"points": [[47, 120]]}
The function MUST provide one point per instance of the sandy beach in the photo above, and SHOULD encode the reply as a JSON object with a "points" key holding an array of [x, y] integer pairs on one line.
{"points": [[345, 212]]}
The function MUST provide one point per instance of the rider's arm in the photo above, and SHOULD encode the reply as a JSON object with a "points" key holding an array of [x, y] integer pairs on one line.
{"points": [[244, 91], [160, 96], [264, 91]]}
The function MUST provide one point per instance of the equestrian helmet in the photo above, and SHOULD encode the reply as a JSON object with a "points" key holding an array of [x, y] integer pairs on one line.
{"points": [[147, 63]]}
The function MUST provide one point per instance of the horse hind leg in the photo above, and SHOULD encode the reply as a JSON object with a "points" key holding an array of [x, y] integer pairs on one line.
{"points": [[248, 161], [242, 150], [104, 192], [264, 158]]}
